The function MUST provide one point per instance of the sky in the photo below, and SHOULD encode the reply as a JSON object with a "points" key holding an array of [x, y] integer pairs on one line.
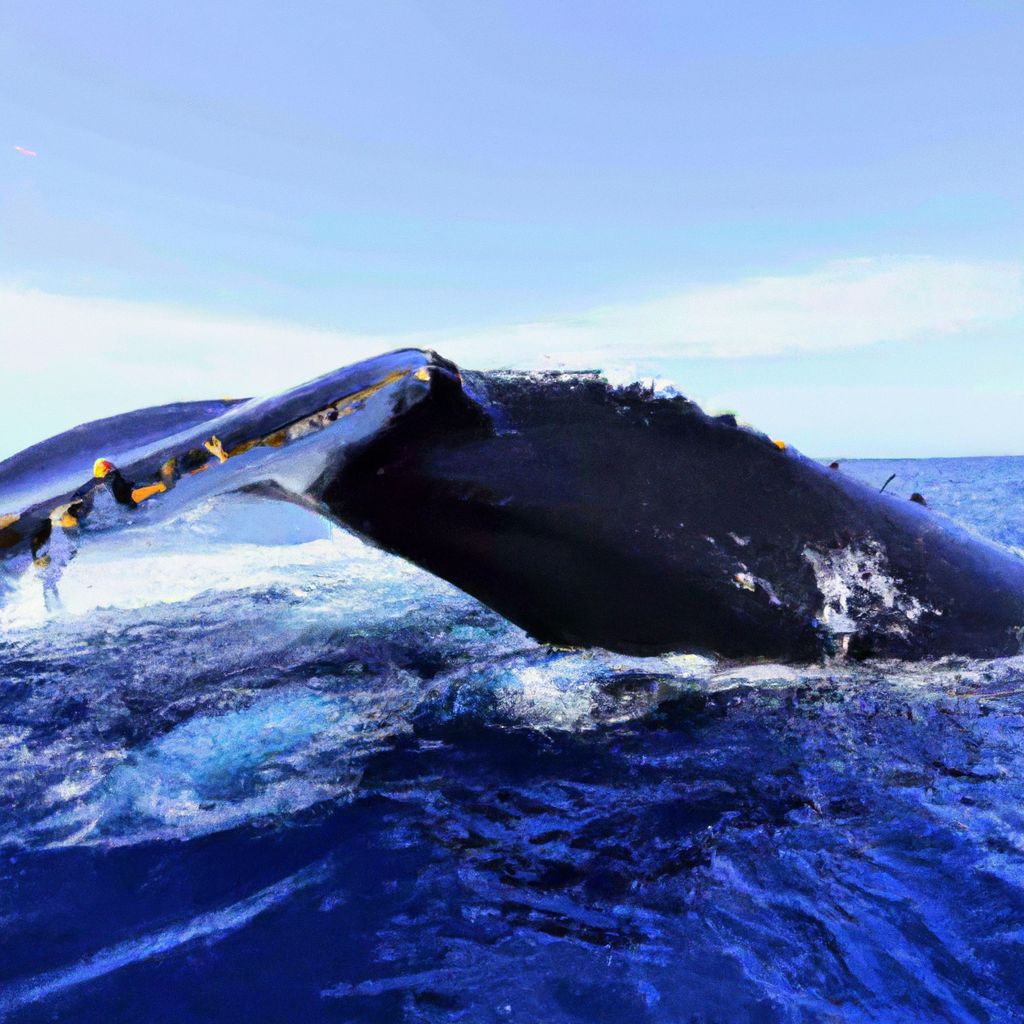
{"points": [[808, 213]]}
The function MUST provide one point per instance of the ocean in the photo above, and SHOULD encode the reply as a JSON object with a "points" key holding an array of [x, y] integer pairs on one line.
{"points": [[306, 781]]}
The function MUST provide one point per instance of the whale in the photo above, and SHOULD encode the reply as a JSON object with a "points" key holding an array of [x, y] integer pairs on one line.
{"points": [[589, 515]]}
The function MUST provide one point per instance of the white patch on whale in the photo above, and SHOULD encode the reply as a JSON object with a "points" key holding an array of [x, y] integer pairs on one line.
{"points": [[857, 590]]}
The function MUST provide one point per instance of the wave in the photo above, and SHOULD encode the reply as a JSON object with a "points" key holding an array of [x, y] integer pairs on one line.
{"points": [[489, 822], [168, 710], [209, 927]]}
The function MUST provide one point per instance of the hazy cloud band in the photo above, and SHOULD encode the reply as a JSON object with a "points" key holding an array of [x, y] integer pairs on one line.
{"points": [[94, 356]]}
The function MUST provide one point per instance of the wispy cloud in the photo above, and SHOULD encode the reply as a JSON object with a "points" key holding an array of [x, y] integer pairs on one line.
{"points": [[161, 352], [25, 152], [91, 357], [842, 305]]}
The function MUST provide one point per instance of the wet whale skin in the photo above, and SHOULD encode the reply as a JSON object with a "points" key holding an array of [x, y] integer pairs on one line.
{"points": [[592, 515]]}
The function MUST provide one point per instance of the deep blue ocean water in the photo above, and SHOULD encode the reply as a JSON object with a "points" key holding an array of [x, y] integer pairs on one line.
{"points": [[308, 782]]}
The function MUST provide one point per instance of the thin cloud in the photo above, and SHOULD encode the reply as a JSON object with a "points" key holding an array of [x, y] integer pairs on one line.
{"points": [[843, 305], [90, 357], [25, 152]]}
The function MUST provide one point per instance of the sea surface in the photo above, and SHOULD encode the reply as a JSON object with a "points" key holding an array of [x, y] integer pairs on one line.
{"points": [[308, 782]]}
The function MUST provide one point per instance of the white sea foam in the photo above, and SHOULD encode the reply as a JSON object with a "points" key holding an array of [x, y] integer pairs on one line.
{"points": [[153, 567]]}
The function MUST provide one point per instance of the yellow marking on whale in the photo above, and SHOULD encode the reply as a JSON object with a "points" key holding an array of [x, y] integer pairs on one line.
{"points": [[216, 449], [344, 406], [140, 494], [167, 471], [241, 449], [8, 535], [63, 517]]}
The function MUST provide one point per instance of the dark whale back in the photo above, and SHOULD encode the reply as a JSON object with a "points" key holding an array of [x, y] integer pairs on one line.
{"points": [[595, 516], [587, 514]]}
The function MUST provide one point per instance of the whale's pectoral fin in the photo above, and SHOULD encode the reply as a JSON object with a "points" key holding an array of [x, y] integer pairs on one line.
{"points": [[172, 458]]}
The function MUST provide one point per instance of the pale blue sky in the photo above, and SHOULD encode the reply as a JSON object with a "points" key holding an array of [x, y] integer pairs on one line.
{"points": [[384, 171]]}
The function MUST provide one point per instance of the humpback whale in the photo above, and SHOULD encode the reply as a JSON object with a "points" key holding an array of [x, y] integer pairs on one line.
{"points": [[587, 514]]}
